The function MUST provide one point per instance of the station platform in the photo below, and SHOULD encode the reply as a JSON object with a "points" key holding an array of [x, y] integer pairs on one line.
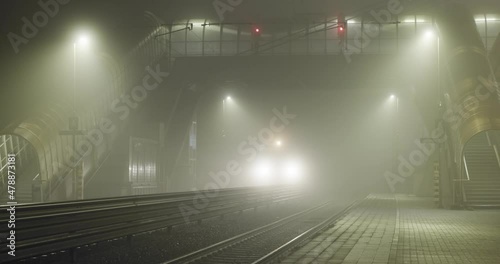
{"points": [[387, 228]]}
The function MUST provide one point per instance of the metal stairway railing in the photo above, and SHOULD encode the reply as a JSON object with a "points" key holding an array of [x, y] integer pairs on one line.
{"points": [[483, 188]]}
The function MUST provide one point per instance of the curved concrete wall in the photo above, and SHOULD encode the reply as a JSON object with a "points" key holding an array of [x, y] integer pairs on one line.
{"points": [[495, 57], [473, 103], [42, 129]]}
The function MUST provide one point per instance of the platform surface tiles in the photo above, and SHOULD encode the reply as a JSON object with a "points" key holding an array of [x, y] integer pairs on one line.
{"points": [[386, 228]]}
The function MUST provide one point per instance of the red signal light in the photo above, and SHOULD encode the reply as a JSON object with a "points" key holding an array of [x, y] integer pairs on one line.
{"points": [[256, 31], [341, 29]]}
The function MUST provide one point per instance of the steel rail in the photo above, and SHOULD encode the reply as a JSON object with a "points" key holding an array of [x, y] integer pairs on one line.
{"points": [[284, 250], [104, 202], [207, 252], [57, 228], [170, 215]]}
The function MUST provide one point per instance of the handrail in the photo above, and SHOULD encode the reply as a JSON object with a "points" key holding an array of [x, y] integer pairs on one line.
{"points": [[496, 154], [462, 187], [19, 153], [488, 138], [466, 169]]}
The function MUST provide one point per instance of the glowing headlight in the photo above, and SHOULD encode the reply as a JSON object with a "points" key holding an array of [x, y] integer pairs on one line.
{"points": [[263, 171], [293, 172]]}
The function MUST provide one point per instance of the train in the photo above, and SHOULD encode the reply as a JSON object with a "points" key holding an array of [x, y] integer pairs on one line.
{"points": [[277, 164]]}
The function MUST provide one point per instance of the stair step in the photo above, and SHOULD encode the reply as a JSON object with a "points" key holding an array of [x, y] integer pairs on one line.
{"points": [[483, 180], [481, 190], [483, 195], [482, 186], [471, 149], [483, 176], [483, 200]]}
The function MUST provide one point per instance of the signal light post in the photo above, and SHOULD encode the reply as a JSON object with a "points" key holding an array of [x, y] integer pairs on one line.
{"points": [[341, 30], [256, 33], [341, 33]]}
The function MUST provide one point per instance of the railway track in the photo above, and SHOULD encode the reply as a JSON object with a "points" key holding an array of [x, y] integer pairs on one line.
{"points": [[48, 228], [269, 243]]}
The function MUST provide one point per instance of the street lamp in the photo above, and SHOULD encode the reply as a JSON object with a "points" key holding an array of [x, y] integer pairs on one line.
{"points": [[73, 125], [431, 38], [396, 132], [81, 41], [395, 97], [429, 33], [227, 99], [438, 66]]}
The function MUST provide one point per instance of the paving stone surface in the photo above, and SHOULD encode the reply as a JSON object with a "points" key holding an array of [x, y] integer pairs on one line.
{"points": [[386, 228]]}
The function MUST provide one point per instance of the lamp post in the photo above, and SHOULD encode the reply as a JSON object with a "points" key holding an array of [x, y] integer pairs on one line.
{"points": [[73, 128], [227, 99], [396, 133]]}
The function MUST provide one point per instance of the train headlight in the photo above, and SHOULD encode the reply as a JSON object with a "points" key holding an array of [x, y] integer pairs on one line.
{"points": [[293, 172], [263, 172]]}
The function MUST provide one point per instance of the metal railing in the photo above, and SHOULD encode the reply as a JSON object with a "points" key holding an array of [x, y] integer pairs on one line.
{"points": [[496, 154], [465, 167], [462, 185], [493, 143], [314, 36], [21, 151]]}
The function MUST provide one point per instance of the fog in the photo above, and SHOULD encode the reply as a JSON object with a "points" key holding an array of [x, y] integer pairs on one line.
{"points": [[357, 113], [249, 131]]}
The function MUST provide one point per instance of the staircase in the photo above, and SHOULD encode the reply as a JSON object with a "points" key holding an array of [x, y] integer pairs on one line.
{"points": [[178, 125], [24, 186], [483, 189]]}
